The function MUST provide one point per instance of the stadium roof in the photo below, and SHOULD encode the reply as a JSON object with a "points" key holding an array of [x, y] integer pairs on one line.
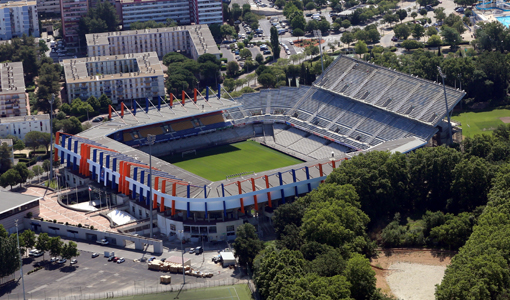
{"points": [[10, 200]]}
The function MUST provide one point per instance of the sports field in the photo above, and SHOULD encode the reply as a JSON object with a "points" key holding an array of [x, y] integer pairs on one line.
{"points": [[218, 162], [232, 292], [481, 122]]}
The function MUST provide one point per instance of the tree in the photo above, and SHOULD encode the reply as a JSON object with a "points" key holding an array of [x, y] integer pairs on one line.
{"points": [[402, 31], [229, 84], [10, 178], [434, 41], [245, 53], [71, 125], [361, 276], [279, 3], [414, 15], [55, 246], [298, 32], [23, 172], [34, 139], [9, 255], [102, 18], [232, 68], [347, 38], [298, 22], [346, 24], [431, 31], [48, 86], [439, 14], [43, 47], [402, 14], [29, 238], [411, 44], [38, 170], [173, 57], [418, 31], [104, 101], [312, 25], [310, 6], [451, 36], [247, 244], [286, 214], [423, 12], [267, 80], [42, 243], [70, 250], [5, 157], [361, 48], [17, 143], [324, 26], [259, 58], [228, 31], [46, 165], [94, 103], [275, 45]]}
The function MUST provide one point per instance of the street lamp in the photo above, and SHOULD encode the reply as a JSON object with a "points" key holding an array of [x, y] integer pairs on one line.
{"points": [[20, 261], [443, 76], [318, 34], [151, 139], [182, 255], [51, 138]]}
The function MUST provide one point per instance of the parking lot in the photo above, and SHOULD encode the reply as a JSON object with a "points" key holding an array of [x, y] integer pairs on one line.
{"points": [[98, 275]]}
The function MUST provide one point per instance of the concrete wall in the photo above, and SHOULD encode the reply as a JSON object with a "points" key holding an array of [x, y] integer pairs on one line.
{"points": [[10, 225], [117, 239]]}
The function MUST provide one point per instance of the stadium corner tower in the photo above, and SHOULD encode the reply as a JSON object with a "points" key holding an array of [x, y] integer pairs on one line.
{"points": [[355, 107]]}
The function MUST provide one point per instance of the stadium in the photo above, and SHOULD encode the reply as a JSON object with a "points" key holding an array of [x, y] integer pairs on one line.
{"points": [[219, 162]]}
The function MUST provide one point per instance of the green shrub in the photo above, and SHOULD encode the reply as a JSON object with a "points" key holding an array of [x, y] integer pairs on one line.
{"points": [[20, 155], [29, 214], [393, 49], [79, 225]]}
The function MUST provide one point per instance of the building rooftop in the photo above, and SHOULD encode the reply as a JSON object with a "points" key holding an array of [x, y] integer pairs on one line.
{"points": [[10, 200], [7, 141], [24, 118], [17, 4], [76, 70], [11, 78], [199, 34]]}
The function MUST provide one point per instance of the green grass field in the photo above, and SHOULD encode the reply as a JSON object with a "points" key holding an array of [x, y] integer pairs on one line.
{"points": [[480, 122], [232, 292], [218, 162]]}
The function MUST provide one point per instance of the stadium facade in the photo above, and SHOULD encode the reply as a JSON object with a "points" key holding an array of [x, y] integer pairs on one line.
{"points": [[355, 107]]}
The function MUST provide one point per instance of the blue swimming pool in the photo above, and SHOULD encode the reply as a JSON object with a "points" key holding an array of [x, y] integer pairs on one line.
{"points": [[504, 20]]}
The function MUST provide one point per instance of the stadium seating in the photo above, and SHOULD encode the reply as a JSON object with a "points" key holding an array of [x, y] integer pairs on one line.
{"points": [[157, 130], [127, 137], [212, 119], [181, 125]]}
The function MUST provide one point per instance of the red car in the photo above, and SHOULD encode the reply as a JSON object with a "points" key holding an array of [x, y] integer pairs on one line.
{"points": [[394, 39], [115, 259]]}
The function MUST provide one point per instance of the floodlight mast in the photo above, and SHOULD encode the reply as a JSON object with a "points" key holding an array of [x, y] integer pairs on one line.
{"points": [[318, 34], [443, 76], [151, 139]]}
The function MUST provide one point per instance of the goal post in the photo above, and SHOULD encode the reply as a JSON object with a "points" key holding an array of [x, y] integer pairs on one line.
{"points": [[190, 152]]}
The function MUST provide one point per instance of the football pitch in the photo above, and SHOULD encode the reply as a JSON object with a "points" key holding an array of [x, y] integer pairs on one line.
{"points": [[232, 292], [216, 163], [480, 122]]}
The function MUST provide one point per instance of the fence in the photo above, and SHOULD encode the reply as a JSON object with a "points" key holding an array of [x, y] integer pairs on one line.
{"points": [[138, 288]]}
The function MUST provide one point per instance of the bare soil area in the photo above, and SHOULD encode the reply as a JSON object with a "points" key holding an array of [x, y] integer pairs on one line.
{"points": [[410, 274], [505, 120]]}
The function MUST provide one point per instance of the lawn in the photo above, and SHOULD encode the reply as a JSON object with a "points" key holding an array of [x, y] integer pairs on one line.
{"points": [[232, 292], [480, 122], [218, 162]]}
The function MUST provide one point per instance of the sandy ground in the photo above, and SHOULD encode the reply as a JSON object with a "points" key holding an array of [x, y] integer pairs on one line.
{"points": [[410, 274], [505, 120]]}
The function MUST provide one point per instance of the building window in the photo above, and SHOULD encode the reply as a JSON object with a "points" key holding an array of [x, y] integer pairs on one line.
{"points": [[230, 228], [172, 227]]}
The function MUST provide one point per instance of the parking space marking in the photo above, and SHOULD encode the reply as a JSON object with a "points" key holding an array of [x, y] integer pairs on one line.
{"points": [[39, 288], [65, 277]]}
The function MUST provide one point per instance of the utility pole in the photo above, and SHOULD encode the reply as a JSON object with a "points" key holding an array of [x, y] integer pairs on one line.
{"points": [[151, 139], [318, 34], [51, 139], [20, 261], [443, 76], [182, 255]]}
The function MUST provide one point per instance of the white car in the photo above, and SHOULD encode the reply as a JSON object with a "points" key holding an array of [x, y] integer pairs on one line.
{"points": [[94, 255], [121, 260], [36, 253], [53, 259], [61, 261], [74, 261], [191, 250]]}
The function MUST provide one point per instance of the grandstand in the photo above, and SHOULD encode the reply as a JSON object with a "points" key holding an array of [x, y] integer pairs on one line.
{"points": [[355, 107]]}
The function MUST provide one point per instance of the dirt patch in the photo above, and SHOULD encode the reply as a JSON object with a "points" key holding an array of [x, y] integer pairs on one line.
{"points": [[505, 120], [307, 42], [412, 266]]}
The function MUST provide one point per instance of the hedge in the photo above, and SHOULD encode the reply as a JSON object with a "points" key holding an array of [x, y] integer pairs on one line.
{"points": [[20, 155]]}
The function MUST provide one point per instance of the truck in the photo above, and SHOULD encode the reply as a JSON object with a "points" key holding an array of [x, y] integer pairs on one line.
{"points": [[102, 242], [52, 44]]}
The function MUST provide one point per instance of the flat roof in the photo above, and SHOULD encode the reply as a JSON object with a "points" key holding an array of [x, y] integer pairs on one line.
{"points": [[148, 66], [199, 34], [10, 200], [17, 4], [24, 118], [11, 78], [227, 256]]}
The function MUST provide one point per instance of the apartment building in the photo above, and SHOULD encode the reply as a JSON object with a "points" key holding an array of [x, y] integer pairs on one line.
{"points": [[157, 10], [13, 99], [208, 11], [135, 76], [193, 40], [72, 11], [19, 17], [48, 6], [19, 126]]}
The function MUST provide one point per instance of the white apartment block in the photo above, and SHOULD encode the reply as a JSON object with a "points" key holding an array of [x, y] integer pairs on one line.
{"points": [[193, 40], [209, 12], [18, 18], [126, 77], [13, 99], [19, 126], [48, 6], [157, 10]]}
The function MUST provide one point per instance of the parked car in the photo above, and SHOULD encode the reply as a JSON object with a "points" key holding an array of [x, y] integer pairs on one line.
{"points": [[74, 261], [98, 119], [191, 250], [216, 258], [111, 258], [121, 260], [94, 255], [291, 42], [199, 250], [394, 39], [61, 261], [36, 253], [115, 259], [266, 52], [152, 258], [53, 259], [102, 242], [62, 54]]}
